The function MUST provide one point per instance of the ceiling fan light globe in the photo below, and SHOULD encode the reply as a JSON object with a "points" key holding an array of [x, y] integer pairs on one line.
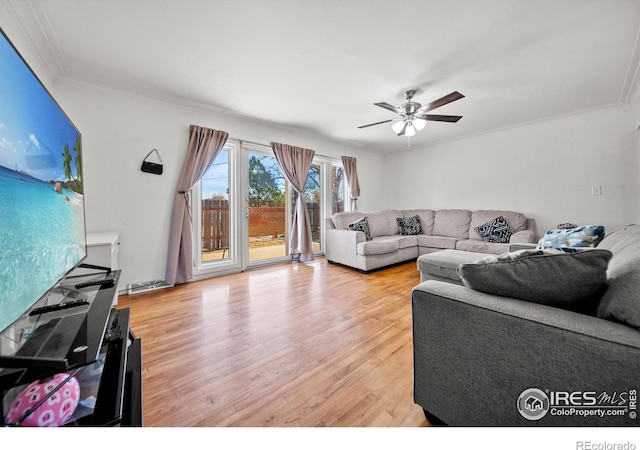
{"points": [[419, 123], [410, 131], [397, 126]]}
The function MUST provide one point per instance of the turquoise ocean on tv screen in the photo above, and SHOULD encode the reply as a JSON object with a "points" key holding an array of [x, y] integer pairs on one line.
{"points": [[35, 251]]}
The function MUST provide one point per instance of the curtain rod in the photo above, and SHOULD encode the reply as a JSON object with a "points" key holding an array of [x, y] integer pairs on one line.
{"points": [[242, 141]]}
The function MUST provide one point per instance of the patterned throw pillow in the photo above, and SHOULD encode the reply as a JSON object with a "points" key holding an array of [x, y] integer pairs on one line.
{"points": [[585, 236], [409, 226], [496, 230], [362, 225]]}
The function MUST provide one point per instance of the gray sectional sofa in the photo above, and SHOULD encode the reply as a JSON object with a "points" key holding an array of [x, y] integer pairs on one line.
{"points": [[482, 359], [440, 229]]}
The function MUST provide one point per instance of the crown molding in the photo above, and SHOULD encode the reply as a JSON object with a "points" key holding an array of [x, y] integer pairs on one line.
{"points": [[38, 34]]}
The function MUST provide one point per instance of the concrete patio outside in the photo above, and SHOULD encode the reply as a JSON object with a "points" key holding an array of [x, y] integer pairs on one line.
{"points": [[258, 251]]}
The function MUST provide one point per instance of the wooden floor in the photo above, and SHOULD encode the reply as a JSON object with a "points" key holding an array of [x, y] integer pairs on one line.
{"points": [[288, 345]]}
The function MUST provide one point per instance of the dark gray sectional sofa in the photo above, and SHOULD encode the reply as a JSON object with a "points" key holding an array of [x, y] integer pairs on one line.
{"points": [[489, 360]]}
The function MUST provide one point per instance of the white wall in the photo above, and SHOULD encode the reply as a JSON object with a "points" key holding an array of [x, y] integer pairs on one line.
{"points": [[545, 170], [119, 128]]}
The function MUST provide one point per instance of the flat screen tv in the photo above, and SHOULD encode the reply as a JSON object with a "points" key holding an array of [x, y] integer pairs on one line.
{"points": [[42, 221]]}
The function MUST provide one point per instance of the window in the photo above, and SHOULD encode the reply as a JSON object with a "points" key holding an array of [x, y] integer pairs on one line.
{"points": [[313, 198], [214, 212], [215, 209]]}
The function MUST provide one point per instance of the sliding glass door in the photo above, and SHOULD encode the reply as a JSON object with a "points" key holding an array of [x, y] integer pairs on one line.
{"points": [[243, 207], [266, 211]]}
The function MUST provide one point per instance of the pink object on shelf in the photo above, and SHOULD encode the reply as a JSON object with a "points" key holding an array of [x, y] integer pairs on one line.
{"points": [[55, 411]]}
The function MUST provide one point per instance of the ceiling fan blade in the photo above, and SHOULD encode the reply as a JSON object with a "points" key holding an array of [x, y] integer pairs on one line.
{"points": [[455, 95], [386, 105], [377, 123], [440, 117], [404, 129]]}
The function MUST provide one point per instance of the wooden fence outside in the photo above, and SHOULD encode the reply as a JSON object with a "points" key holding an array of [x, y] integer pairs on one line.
{"points": [[215, 224], [264, 222]]}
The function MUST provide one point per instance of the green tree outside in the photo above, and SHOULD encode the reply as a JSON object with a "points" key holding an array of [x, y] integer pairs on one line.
{"points": [[264, 183]]}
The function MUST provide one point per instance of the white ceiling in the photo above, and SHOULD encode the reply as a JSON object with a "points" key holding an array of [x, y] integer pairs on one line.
{"points": [[319, 65]]}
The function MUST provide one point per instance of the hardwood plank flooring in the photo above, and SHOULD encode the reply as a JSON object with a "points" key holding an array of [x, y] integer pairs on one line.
{"points": [[286, 345]]}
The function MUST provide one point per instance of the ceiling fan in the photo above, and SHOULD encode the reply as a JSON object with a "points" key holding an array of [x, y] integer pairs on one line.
{"points": [[413, 115]]}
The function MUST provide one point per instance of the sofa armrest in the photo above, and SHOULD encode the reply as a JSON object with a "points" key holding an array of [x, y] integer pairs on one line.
{"points": [[522, 246], [475, 353], [524, 236], [341, 245], [328, 224]]}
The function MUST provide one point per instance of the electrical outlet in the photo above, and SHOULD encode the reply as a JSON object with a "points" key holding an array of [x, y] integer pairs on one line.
{"points": [[596, 190]]}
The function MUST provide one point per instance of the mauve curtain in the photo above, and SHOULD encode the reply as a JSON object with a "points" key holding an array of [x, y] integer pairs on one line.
{"points": [[350, 172], [295, 162], [204, 146]]}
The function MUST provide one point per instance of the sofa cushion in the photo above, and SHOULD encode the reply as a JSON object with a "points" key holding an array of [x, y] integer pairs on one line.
{"points": [[362, 225], [572, 279], [517, 221], [443, 264], [405, 241], [522, 237], [621, 301], [377, 246], [452, 223], [427, 217], [392, 224], [496, 230], [437, 241], [476, 245], [585, 236], [409, 226], [379, 224]]}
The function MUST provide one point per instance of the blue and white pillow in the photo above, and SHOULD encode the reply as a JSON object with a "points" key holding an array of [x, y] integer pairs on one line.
{"points": [[584, 236]]}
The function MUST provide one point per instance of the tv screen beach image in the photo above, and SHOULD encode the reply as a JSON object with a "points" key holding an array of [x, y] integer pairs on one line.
{"points": [[41, 193]]}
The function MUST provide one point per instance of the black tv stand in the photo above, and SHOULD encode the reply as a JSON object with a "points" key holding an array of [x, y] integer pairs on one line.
{"points": [[30, 362], [93, 343]]}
